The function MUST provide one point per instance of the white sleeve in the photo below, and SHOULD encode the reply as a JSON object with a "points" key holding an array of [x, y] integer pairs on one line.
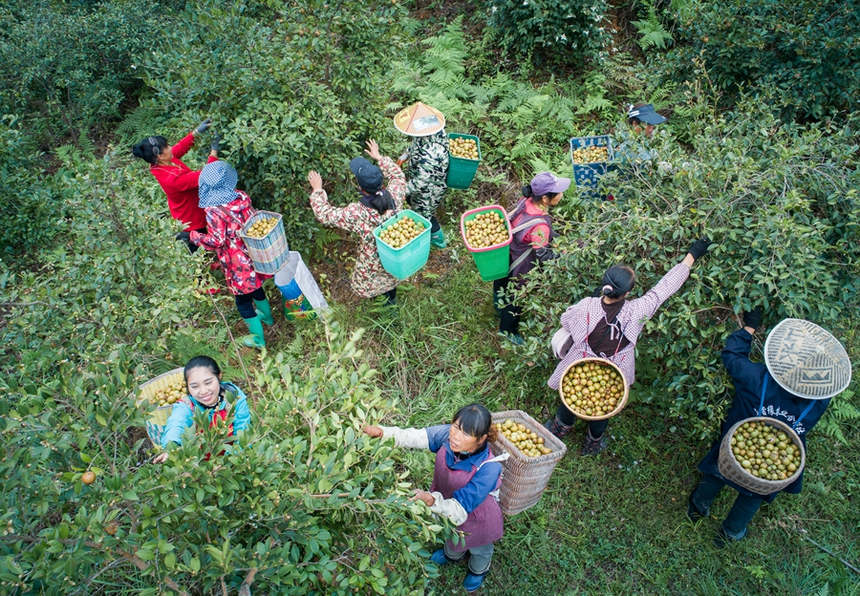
{"points": [[411, 438], [450, 508]]}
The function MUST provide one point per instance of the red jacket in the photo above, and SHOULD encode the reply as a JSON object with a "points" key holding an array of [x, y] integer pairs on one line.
{"points": [[180, 185]]}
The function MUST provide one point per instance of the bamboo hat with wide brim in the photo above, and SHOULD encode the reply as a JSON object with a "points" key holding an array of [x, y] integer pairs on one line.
{"points": [[806, 360], [419, 120]]}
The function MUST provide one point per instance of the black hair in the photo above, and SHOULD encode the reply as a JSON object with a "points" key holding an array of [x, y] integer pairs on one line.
{"points": [[476, 421], [381, 200], [617, 281], [204, 362], [149, 148], [529, 193]]}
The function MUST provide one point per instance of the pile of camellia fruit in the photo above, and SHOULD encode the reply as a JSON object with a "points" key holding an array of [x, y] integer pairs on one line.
{"points": [[765, 451], [401, 233], [171, 394], [593, 154], [486, 229], [592, 389], [463, 148], [527, 441], [261, 227]]}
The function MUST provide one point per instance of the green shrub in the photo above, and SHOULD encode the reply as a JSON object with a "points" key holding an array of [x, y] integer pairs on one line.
{"points": [[558, 31], [805, 50], [67, 67]]}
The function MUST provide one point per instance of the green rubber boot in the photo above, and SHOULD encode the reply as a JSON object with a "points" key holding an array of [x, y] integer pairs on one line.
{"points": [[264, 311], [256, 339], [437, 239]]}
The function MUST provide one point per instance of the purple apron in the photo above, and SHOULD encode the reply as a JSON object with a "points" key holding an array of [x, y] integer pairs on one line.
{"points": [[484, 524]]}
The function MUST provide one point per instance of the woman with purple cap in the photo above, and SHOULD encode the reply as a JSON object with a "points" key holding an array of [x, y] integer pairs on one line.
{"points": [[531, 229], [375, 204], [607, 325], [227, 210]]}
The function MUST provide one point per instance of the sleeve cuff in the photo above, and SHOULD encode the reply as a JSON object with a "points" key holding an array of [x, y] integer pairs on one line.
{"points": [[411, 438], [449, 508]]}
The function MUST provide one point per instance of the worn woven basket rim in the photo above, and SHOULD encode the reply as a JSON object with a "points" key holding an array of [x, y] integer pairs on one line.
{"points": [[731, 468], [139, 398], [621, 404], [243, 232], [548, 437]]}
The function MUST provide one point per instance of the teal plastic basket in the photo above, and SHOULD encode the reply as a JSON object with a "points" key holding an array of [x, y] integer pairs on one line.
{"points": [[461, 171], [408, 259]]}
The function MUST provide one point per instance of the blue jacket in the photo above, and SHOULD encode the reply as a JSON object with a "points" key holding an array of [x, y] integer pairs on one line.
{"points": [[182, 415], [748, 378], [485, 479]]}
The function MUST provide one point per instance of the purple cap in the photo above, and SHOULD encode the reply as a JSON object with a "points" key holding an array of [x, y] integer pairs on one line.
{"points": [[547, 183]]}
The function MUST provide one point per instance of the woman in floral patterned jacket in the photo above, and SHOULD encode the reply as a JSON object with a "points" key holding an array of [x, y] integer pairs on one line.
{"points": [[227, 209], [375, 204]]}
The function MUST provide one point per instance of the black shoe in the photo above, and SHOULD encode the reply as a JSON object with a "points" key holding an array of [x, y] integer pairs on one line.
{"points": [[722, 540], [557, 427], [693, 512], [592, 446]]}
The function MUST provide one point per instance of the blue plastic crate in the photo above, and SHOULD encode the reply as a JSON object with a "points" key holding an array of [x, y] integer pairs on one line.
{"points": [[587, 175]]}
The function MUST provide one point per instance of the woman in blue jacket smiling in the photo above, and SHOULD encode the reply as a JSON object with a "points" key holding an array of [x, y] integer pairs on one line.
{"points": [[224, 403]]}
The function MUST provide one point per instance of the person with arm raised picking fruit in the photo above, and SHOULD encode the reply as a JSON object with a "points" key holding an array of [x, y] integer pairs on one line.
{"points": [[178, 181], [466, 479], [532, 234], [375, 204], [608, 325], [804, 367]]}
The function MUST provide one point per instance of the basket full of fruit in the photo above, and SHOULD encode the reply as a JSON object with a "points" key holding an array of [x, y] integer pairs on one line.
{"points": [[486, 233], [761, 454], [593, 389], [591, 157], [464, 156], [264, 236], [533, 454], [403, 243], [157, 396]]}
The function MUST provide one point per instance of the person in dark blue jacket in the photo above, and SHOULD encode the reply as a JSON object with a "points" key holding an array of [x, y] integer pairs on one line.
{"points": [[803, 370]]}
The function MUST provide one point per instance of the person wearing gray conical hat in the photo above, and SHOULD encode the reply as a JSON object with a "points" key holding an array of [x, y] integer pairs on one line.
{"points": [[805, 366]]}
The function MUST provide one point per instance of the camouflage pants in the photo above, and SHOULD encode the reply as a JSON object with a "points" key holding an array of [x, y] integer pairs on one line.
{"points": [[424, 197]]}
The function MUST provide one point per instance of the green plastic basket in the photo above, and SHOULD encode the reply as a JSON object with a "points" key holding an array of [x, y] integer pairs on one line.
{"points": [[406, 260], [492, 261], [461, 171]]}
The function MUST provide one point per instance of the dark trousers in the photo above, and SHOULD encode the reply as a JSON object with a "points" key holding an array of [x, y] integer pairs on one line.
{"points": [[509, 315], [391, 297], [244, 303], [741, 513], [596, 428], [434, 224]]}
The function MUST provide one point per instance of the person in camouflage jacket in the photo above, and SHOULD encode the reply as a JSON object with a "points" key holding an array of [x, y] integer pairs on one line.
{"points": [[428, 168]]}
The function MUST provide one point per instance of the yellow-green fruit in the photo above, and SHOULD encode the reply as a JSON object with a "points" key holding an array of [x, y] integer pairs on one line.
{"points": [[592, 388], [486, 229], [765, 451], [593, 154]]}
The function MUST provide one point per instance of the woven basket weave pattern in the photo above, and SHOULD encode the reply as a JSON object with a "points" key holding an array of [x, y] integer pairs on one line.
{"points": [[732, 470], [524, 478]]}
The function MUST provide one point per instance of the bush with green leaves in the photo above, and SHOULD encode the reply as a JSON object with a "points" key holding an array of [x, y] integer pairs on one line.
{"points": [[67, 67], [805, 50], [556, 31], [780, 203]]}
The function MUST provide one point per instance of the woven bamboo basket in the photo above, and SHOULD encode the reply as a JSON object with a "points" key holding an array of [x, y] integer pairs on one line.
{"points": [[270, 252], [622, 402], [524, 478], [157, 419], [731, 468]]}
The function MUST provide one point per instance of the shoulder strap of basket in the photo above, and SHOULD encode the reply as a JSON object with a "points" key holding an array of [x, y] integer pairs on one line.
{"points": [[761, 403], [528, 252]]}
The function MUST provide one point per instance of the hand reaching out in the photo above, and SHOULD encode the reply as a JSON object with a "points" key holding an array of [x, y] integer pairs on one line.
{"points": [[373, 150], [315, 180], [372, 431]]}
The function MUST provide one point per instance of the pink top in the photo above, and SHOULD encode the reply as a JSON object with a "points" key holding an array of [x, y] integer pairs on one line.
{"points": [[580, 319], [539, 235]]}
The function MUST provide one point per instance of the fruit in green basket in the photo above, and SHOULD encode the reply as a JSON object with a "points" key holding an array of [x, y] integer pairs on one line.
{"points": [[527, 441], [592, 388], [486, 229], [765, 451], [260, 228], [592, 154], [463, 148], [402, 232]]}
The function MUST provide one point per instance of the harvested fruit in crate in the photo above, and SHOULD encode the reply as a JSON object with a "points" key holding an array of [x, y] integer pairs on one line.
{"points": [[401, 233], [592, 154], [486, 229], [765, 451], [463, 148], [170, 394], [527, 441], [261, 227], [592, 389]]}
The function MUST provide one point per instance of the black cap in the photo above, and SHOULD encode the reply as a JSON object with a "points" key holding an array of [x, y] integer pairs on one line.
{"points": [[368, 176]]}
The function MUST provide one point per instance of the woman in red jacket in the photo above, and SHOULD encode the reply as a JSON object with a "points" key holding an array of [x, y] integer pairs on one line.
{"points": [[178, 180]]}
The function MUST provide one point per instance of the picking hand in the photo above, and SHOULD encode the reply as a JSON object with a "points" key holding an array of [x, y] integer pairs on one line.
{"points": [[372, 431], [160, 458], [753, 318], [203, 126], [216, 142], [424, 497], [315, 180], [699, 248], [373, 150]]}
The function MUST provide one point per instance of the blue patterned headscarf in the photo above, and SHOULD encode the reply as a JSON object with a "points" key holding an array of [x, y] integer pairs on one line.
{"points": [[217, 184]]}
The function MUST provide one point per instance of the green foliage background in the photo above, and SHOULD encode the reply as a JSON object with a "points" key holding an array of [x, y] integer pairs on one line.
{"points": [[95, 298]]}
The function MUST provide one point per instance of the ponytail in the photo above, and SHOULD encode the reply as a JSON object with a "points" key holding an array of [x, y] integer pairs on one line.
{"points": [[381, 200], [530, 194], [149, 148]]}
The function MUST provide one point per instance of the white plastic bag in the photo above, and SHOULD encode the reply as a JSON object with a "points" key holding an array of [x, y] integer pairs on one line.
{"points": [[302, 295]]}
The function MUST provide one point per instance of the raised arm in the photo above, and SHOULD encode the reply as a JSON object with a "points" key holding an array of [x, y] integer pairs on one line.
{"points": [[328, 215], [216, 233], [396, 178], [646, 306], [736, 354]]}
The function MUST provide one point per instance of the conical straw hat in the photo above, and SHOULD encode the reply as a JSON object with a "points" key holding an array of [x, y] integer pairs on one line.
{"points": [[806, 360], [419, 120]]}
